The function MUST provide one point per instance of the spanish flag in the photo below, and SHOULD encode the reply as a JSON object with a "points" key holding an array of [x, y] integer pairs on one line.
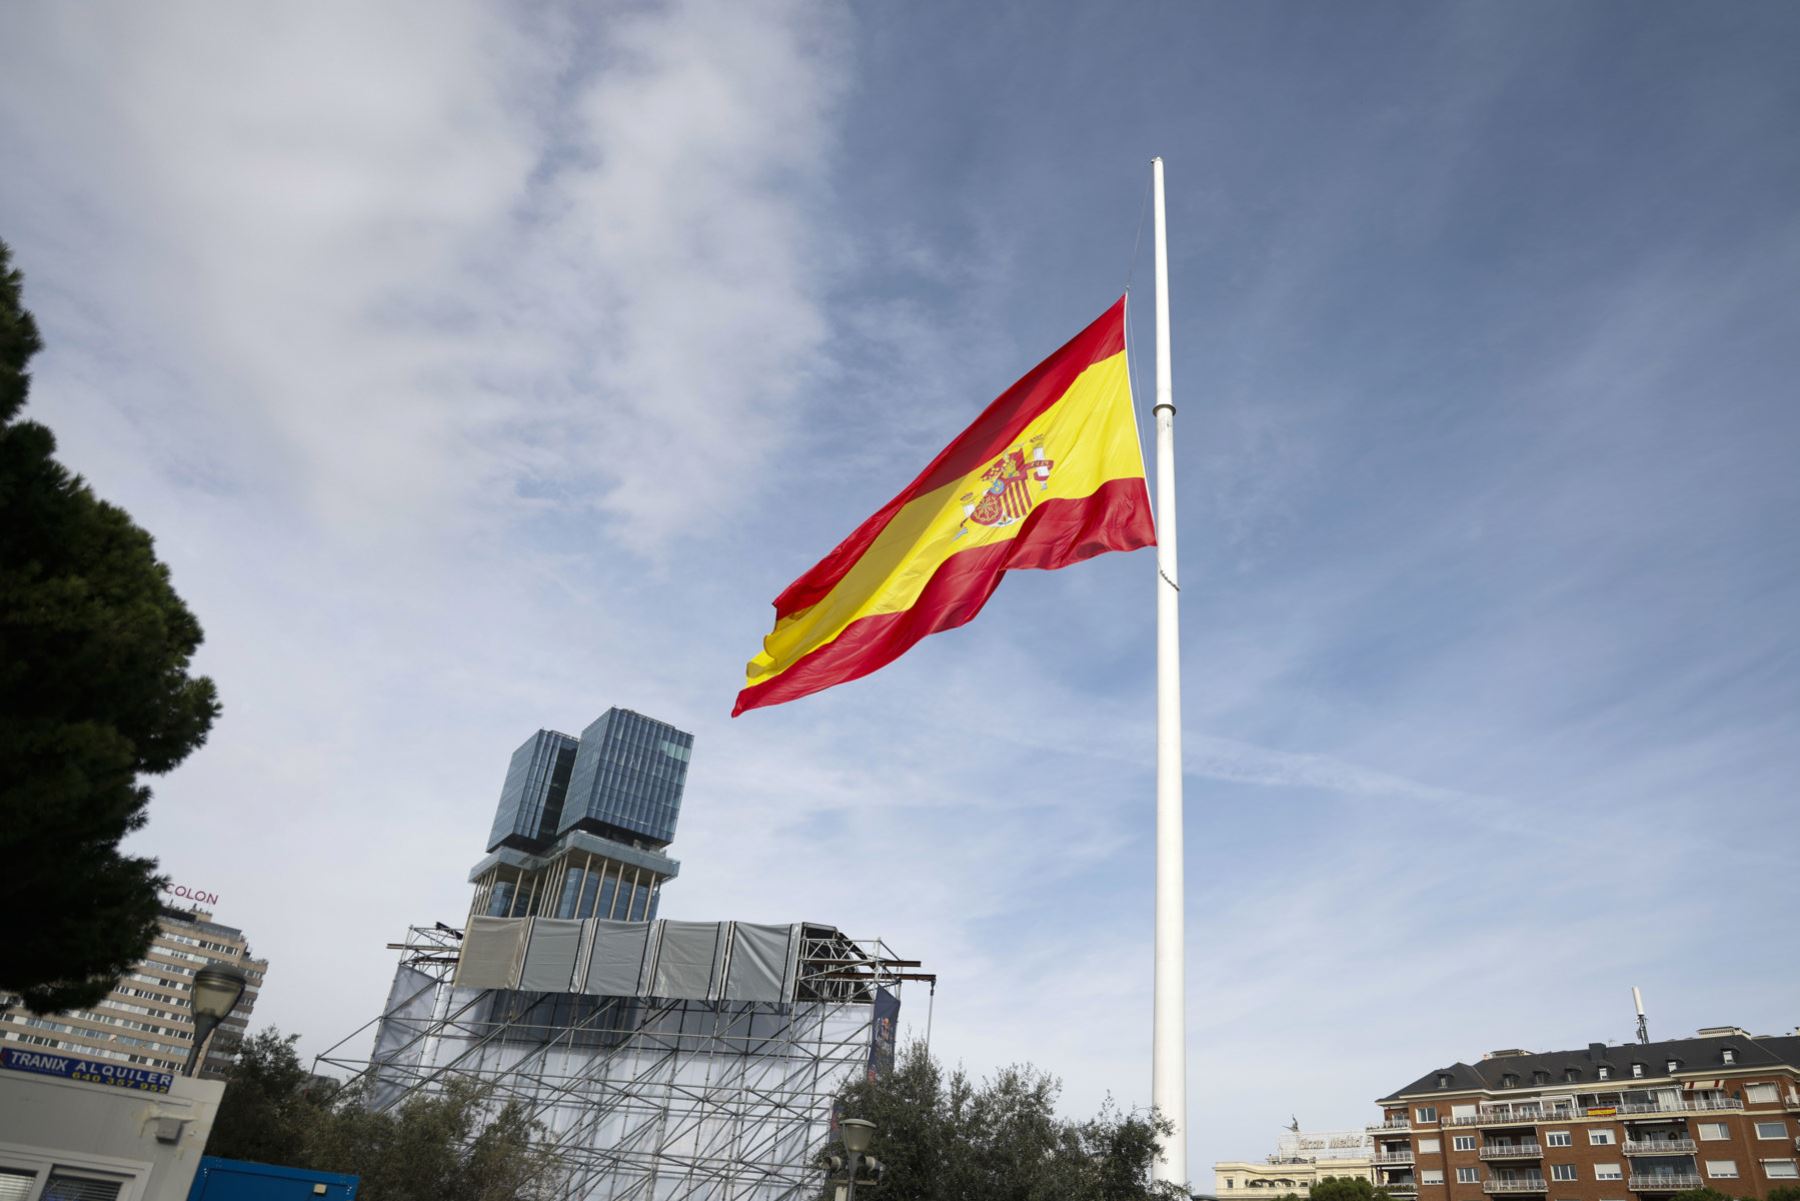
{"points": [[1049, 475]]}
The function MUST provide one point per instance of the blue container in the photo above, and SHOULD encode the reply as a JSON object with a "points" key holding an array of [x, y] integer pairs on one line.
{"points": [[240, 1180]]}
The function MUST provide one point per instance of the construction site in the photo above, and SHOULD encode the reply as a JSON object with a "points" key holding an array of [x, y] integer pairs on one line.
{"points": [[663, 1060]]}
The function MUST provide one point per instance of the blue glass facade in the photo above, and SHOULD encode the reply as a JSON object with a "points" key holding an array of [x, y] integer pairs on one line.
{"points": [[628, 777], [583, 824], [531, 800]]}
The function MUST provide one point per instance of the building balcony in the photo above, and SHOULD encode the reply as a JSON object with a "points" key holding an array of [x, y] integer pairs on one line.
{"points": [[1660, 1146], [1512, 1151], [1504, 1117], [1521, 1184], [1664, 1182], [1636, 1108], [1391, 1124], [1532, 1117], [1388, 1157], [1399, 1188]]}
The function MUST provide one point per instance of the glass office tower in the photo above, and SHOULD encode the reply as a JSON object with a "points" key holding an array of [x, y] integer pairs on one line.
{"points": [[628, 778], [582, 824], [531, 800]]}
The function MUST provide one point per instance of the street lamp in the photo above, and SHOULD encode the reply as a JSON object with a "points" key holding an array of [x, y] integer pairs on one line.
{"points": [[857, 1134], [216, 993]]}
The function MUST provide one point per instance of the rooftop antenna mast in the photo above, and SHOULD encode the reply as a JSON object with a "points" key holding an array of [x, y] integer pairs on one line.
{"points": [[1637, 998]]}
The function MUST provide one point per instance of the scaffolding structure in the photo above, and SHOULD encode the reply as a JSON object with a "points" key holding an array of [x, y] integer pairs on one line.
{"points": [[646, 1098]]}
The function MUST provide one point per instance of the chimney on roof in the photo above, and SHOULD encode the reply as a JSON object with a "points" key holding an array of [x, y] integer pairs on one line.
{"points": [[1723, 1032], [1596, 1051]]}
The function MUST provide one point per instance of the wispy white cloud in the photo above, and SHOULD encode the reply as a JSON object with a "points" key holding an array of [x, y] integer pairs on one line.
{"points": [[478, 369]]}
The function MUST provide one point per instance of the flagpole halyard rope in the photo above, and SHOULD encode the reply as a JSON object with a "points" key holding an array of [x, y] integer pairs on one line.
{"points": [[1137, 239]]}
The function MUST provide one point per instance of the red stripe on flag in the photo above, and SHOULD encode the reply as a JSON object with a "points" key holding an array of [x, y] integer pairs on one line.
{"points": [[1056, 534], [998, 427]]}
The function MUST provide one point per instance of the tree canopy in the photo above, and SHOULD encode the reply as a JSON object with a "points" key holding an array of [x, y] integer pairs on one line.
{"points": [[945, 1137], [1340, 1188], [1705, 1193], [94, 694], [1345, 1188], [456, 1146]]}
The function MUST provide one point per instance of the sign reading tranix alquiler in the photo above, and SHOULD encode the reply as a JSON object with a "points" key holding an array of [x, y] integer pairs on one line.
{"points": [[90, 1071]]}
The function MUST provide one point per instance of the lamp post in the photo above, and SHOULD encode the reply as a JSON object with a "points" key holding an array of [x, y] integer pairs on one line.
{"points": [[857, 1134], [216, 992]]}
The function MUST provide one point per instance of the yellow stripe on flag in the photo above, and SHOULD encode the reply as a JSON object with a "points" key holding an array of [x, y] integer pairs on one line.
{"points": [[1088, 437]]}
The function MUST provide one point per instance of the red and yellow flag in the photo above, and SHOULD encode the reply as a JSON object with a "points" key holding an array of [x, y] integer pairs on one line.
{"points": [[1049, 475]]}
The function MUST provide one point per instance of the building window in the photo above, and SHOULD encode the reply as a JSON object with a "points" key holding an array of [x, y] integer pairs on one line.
{"points": [[1509, 1081], [1728, 1056], [1428, 1146], [1427, 1113], [1571, 1074], [1600, 1138], [1462, 1142], [1608, 1171], [1562, 1171], [1465, 1176], [1674, 1065], [1637, 1069], [1771, 1130], [1712, 1132], [1603, 1072], [87, 1188], [1722, 1169], [1558, 1138], [1431, 1176], [1779, 1169], [1443, 1079], [1758, 1094]]}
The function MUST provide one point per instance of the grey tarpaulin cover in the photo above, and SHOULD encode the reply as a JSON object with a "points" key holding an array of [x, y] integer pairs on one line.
{"points": [[399, 1040], [730, 961], [762, 962], [616, 958], [688, 959], [490, 952], [550, 954]]}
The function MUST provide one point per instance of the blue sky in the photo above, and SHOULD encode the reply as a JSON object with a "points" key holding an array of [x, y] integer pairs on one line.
{"points": [[478, 368]]}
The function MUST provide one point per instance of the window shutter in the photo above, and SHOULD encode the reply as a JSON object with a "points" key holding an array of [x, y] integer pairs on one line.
{"points": [[16, 1186], [79, 1188]]}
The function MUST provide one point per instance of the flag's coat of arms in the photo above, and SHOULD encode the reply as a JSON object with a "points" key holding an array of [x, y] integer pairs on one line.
{"points": [[1050, 474], [1007, 497]]}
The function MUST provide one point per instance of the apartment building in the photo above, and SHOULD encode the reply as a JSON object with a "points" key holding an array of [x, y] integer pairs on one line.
{"points": [[1608, 1123], [147, 1019]]}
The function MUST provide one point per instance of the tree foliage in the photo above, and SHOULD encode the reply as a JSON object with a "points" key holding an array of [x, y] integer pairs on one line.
{"points": [[94, 694], [1707, 1193], [1345, 1188], [457, 1146], [944, 1137]]}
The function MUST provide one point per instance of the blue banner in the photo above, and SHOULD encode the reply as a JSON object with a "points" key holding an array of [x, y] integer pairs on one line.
{"points": [[90, 1071], [882, 1033]]}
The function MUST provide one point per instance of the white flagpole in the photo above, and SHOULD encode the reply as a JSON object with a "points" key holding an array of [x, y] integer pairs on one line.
{"points": [[1168, 1052]]}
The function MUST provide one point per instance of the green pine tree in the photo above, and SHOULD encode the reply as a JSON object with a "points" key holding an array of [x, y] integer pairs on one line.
{"points": [[94, 694]]}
